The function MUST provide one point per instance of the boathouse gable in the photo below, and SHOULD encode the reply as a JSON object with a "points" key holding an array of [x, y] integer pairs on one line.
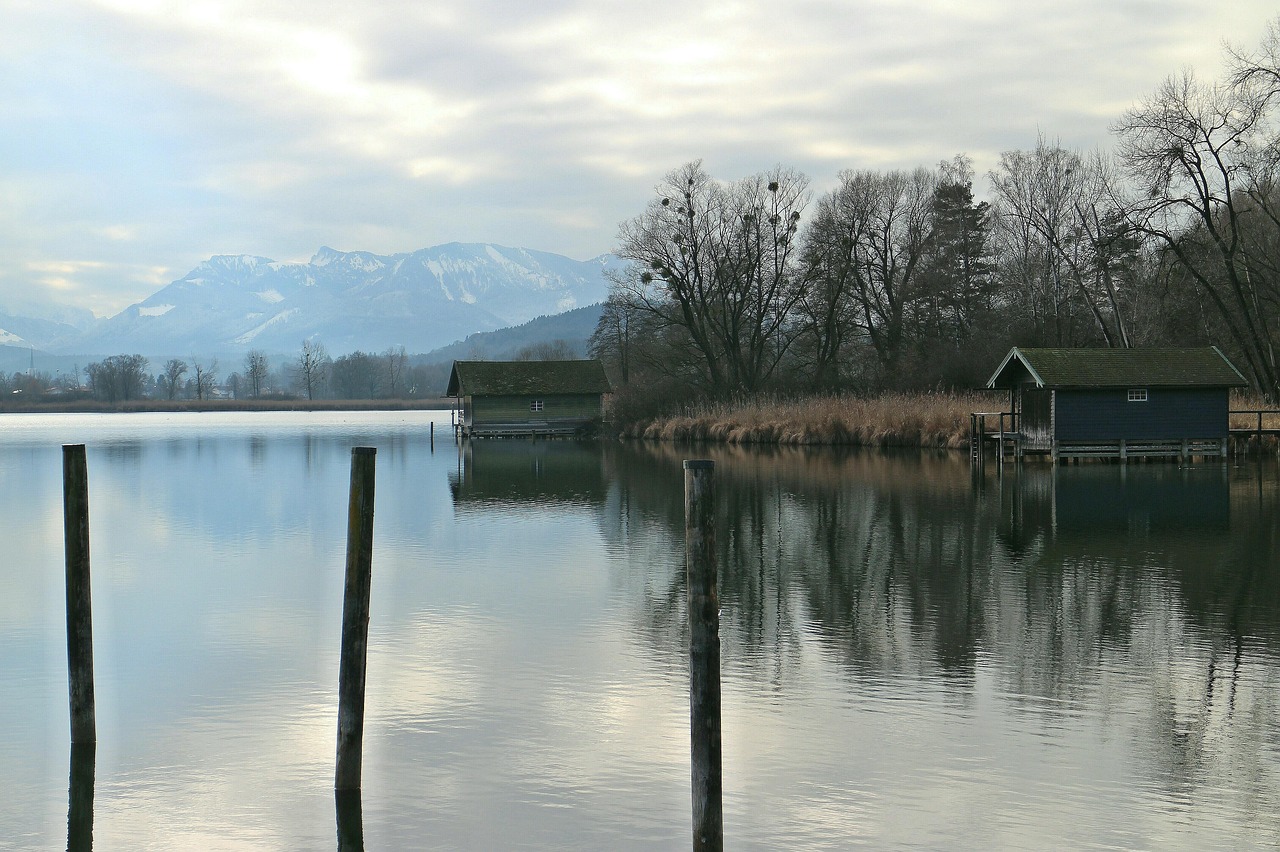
{"points": [[528, 397], [1087, 400]]}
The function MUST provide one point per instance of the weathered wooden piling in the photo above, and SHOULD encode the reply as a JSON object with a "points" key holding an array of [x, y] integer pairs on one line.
{"points": [[433, 436], [75, 519], [80, 797], [355, 620], [350, 820], [704, 655]]}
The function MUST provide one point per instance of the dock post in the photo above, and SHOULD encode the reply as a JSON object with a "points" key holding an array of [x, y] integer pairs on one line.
{"points": [[350, 821], [355, 620], [80, 797], [75, 520], [433, 436], [704, 655]]}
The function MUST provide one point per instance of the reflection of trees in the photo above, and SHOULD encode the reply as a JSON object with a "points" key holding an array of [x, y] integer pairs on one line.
{"points": [[1147, 595]]}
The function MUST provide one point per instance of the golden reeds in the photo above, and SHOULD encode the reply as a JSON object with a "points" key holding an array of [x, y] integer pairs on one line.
{"points": [[938, 420]]}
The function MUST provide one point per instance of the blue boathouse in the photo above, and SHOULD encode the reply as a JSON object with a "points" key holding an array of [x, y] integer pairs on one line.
{"points": [[1118, 402]]}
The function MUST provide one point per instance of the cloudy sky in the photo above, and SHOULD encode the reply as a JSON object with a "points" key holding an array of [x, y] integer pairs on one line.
{"points": [[139, 137]]}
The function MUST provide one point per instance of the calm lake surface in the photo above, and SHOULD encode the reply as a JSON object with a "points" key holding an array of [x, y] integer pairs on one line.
{"points": [[913, 658]]}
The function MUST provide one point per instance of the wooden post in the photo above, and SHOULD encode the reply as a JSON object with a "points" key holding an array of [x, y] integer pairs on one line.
{"points": [[80, 797], [75, 519], [433, 436], [704, 655], [350, 821], [355, 620]]}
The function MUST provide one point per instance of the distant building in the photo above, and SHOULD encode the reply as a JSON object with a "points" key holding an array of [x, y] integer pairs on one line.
{"points": [[1119, 402], [520, 398]]}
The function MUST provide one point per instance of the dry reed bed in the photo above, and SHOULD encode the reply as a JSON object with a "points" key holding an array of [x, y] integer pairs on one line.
{"points": [[938, 420]]}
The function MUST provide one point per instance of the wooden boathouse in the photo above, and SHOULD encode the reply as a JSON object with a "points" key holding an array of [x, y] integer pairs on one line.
{"points": [[526, 398], [1119, 403]]}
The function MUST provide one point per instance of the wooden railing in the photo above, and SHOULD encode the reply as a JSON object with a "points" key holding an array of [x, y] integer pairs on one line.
{"points": [[1006, 423], [1259, 414]]}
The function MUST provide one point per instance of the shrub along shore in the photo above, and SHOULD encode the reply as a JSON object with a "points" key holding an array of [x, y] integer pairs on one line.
{"points": [[933, 420]]}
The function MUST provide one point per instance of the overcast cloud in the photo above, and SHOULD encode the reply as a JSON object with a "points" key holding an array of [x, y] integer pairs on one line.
{"points": [[139, 137]]}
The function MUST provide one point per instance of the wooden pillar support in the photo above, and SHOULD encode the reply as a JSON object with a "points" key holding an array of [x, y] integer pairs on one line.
{"points": [[355, 620], [704, 655], [75, 518]]}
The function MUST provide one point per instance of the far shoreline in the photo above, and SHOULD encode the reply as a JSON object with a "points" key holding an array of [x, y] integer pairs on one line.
{"points": [[225, 405]]}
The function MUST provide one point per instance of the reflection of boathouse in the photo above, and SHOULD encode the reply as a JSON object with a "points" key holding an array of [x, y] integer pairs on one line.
{"points": [[1096, 503], [520, 398], [1118, 402], [535, 473]]}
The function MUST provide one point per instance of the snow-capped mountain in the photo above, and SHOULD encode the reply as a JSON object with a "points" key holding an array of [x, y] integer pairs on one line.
{"points": [[349, 300]]}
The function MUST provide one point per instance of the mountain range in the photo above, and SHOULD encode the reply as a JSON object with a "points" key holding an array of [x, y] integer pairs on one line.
{"points": [[422, 300]]}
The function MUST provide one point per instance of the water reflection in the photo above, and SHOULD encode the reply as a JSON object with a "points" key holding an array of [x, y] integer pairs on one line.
{"points": [[1147, 596], [534, 472], [1086, 655]]}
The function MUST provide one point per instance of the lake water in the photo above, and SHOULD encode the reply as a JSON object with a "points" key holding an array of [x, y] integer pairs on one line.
{"points": [[913, 657]]}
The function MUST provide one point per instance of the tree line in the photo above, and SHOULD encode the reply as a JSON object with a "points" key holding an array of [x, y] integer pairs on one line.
{"points": [[903, 279], [312, 374]]}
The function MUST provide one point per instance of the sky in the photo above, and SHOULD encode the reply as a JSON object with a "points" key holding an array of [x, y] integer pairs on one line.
{"points": [[140, 137]]}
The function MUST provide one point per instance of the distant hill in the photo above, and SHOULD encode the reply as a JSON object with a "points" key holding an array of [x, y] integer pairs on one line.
{"points": [[22, 330], [574, 327]]}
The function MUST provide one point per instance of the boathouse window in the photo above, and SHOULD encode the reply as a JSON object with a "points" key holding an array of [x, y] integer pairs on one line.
{"points": [[536, 405], [1137, 394]]}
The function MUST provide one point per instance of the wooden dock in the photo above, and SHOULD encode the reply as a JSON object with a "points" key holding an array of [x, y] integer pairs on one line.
{"points": [[996, 433]]}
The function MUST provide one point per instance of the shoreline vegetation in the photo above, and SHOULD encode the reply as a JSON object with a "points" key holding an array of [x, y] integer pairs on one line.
{"points": [[926, 420], [933, 420], [84, 406]]}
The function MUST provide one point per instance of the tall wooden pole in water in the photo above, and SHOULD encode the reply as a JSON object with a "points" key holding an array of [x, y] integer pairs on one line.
{"points": [[75, 519], [704, 655], [355, 620], [80, 798]]}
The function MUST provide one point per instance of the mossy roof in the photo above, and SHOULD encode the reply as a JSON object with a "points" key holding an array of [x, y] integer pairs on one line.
{"points": [[522, 378], [1109, 368]]}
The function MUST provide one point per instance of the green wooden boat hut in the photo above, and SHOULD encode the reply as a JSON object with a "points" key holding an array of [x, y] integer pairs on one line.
{"points": [[1119, 402], [525, 398]]}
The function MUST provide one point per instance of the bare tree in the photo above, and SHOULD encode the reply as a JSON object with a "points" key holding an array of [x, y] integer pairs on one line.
{"points": [[718, 262], [206, 378], [397, 361], [1067, 241], [358, 375], [1205, 161], [612, 341], [174, 370], [547, 350], [864, 254], [311, 367], [118, 378], [255, 371]]}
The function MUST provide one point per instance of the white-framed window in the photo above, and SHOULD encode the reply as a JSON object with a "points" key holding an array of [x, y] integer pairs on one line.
{"points": [[535, 405], [1137, 394]]}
